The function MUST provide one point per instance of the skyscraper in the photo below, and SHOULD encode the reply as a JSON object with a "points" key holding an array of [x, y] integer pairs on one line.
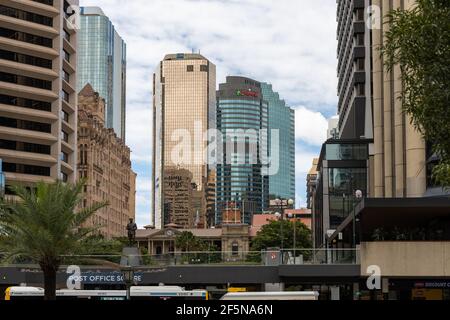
{"points": [[240, 179], [354, 70], [184, 107], [281, 118], [102, 63], [38, 101]]}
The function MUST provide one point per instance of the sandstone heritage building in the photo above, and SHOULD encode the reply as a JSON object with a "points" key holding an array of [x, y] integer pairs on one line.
{"points": [[104, 161]]}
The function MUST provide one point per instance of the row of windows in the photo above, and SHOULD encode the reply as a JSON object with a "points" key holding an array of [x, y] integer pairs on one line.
{"points": [[25, 103], [26, 37], [47, 2], [26, 169], [203, 68], [26, 59], [25, 81], [24, 146], [26, 125], [25, 15]]}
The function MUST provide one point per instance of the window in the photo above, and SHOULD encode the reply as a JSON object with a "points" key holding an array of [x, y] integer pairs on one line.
{"points": [[25, 124], [235, 248], [65, 96], [25, 103], [346, 152], [66, 76], [25, 15], [204, 68], [64, 177], [65, 116], [66, 55], [64, 157], [26, 37], [26, 59], [190, 68], [25, 81]]}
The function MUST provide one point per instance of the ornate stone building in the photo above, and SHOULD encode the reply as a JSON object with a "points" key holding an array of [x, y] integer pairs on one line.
{"points": [[104, 161]]}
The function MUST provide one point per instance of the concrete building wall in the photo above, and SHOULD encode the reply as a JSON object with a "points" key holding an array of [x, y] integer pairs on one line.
{"points": [[51, 105], [399, 150], [414, 259]]}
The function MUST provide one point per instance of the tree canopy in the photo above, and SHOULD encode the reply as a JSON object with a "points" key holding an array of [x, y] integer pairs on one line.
{"points": [[271, 234], [44, 224], [419, 42]]}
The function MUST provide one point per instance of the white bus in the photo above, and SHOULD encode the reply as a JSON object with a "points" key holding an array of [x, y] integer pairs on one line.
{"points": [[284, 295], [136, 293]]}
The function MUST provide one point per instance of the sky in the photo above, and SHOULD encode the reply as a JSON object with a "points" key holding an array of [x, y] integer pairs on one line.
{"points": [[288, 43]]}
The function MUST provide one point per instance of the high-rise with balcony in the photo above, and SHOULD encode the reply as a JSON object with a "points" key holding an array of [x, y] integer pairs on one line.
{"points": [[354, 70], [184, 107], [102, 63], [38, 101]]}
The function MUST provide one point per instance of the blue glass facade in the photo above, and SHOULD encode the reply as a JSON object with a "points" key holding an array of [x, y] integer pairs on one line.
{"points": [[102, 63], [240, 180], [281, 118]]}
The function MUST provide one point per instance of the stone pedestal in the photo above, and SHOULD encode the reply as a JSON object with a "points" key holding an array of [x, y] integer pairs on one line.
{"points": [[131, 257]]}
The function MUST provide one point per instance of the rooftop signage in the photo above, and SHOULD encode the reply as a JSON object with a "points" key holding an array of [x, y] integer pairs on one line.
{"points": [[247, 93]]}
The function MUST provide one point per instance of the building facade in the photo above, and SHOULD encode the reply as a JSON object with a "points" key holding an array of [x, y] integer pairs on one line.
{"points": [[354, 70], [178, 191], [104, 161], [342, 169], [38, 101], [242, 114], [102, 63], [281, 119], [184, 109]]}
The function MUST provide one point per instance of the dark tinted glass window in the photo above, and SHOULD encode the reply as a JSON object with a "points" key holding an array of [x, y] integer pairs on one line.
{"points": [[25, 15], [26, 37], [26, 59], [190, 68], [25, 103], [25, 81]]}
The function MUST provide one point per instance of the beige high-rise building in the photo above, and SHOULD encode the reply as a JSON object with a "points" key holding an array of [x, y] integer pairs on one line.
{"points": [[398, 163], [38, 102], [184, 107], [104, 161]]}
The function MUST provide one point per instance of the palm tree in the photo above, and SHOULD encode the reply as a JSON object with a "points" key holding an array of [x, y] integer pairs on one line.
{"points": [[44, 224]]}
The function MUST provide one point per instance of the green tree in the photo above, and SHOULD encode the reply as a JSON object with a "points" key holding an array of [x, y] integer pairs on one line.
{"points": [[419, 42], [44, 224], [187, 241], [272, 233]]}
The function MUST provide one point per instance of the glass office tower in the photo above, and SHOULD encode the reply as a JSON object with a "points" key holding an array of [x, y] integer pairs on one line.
{"points": [[102, 63], [240, 180], [281, 118]]}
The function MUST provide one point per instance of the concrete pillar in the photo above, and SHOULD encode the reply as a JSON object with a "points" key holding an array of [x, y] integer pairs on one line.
{"points": [[399, 129], [378, 112], [388, 125]]}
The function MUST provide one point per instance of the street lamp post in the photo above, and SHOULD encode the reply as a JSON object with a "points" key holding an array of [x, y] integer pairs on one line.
{"points": [[358, 196], [280, 203]]}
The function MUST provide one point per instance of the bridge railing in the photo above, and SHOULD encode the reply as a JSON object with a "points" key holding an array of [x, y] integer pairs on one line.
{"points": [[270, 257]]}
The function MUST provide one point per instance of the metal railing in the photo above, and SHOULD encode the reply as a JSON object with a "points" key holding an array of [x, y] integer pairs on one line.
{"points": [[271, 257]]}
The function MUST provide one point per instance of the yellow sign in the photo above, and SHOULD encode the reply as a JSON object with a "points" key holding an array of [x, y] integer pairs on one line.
{"points": [[237, 289]]}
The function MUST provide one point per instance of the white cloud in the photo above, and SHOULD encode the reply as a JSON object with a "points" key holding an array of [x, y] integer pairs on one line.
{"points": [[310, 126]]}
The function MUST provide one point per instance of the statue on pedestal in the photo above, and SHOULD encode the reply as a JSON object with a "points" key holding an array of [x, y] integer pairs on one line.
{"points": [[131, 228]]}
